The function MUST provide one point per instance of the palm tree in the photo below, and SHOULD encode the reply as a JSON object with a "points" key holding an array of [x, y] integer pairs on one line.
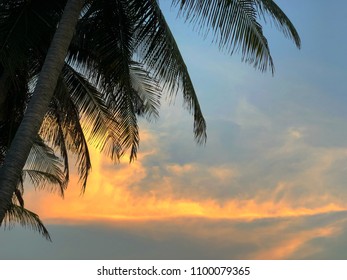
{"points": [[73, 94], [41, 98], [116, 41]]}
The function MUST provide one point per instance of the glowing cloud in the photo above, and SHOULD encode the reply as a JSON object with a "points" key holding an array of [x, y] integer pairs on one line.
{"points": [[114, 193]]}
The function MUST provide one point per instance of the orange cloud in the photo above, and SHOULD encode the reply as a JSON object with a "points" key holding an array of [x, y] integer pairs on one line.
{"points": [[113, 193], [291, 244], [135, 195], [117, 193]]}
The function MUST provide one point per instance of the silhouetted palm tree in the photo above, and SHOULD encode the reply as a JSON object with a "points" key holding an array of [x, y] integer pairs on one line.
{"points": [[74, 96], [121, 53]]}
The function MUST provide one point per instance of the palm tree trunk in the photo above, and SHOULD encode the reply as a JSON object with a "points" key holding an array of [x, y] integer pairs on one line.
{"points": [[17, 155]]}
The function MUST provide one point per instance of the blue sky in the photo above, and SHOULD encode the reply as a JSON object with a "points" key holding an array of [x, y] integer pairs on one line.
{"points": [[269, 184]]}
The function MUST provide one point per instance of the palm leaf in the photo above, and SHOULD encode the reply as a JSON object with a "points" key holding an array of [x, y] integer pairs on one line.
{"points": [[159, 52], [148, 91], [107, 29], [43, 166], [97, 120], [52, 131], [282, 22], [63, 130], [235, 27], [26, 218], [123, 101], [102, 47]]}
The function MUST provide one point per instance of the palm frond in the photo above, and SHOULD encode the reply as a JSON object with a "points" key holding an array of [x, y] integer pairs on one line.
{"points": [[124, 109], [102, 47], [160, 53], [96, 118], [43, 166], [234, 25], [75, 141], [62, 128], [52, 131], [109, 67], [148, 91], [40, 178], [26, 218], [282, 22]]}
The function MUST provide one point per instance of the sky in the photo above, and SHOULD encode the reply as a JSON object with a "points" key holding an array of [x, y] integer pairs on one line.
{"points": [[270, 183]]}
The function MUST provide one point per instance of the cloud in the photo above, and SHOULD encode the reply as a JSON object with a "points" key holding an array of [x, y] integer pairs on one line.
{"points": [[147, 190]]}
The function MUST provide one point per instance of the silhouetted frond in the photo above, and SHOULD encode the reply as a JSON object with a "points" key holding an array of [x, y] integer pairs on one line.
{"points": [[268, 8], [43, 166], [234, 25], [148, 91], [159, 52], [26, 218]]}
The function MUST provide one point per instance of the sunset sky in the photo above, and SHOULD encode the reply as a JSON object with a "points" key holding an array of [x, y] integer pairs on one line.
{"points": [[271, 182]]}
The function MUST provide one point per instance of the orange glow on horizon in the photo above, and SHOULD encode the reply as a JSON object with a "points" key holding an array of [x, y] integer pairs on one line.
{"points": [[110, 197], [114, 193], [122, 195], [153, 209]]}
